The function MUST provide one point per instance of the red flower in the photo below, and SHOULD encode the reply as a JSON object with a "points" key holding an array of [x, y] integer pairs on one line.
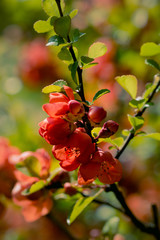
{"points": [[55, 130], [102, 165], [7, 178], [33, 206], [39, 203], [36, 65], [64, 106], [44, 161], [75, 151]]}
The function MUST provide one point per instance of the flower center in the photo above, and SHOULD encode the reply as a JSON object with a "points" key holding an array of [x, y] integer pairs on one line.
{"points": [[72, 152]]}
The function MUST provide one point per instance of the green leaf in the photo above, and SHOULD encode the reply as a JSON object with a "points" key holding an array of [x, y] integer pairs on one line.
{"points": [[117, 142], [136, 122], [137, 103], [34, 188], [55, 87], [73, 13], [89, 65], [73, 69], [95, 131], [129, 83], [60, 83], [100, 93], [88, 103], [64, 54], [155, 136], [42, 26], [30, 166], [50, 7], [76, 34], [55, 41], [97, 49], [149, 89], [80, 205], [51, 88], [148, 104], [111, 227], [62, 26], [86, 60], [153, 64], [149, 49], [125, 132]]}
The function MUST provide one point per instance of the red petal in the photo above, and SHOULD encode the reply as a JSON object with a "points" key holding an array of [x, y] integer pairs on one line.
{"points": [[56, 109], [88, 171], [110, 172], [58, 97], [69, 165], [69, 92], [36, 209]]}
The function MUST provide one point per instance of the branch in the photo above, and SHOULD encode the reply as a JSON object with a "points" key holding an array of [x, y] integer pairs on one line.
{"points": [[140, 113], [79, 70], [152, 229], [147, 228]]}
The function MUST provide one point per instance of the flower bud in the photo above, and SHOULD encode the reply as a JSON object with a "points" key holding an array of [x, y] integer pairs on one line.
{"points": [[109, 128], [75, 107], [69, 189], [97, 114]]}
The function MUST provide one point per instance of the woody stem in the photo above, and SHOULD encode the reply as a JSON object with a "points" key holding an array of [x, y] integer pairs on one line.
{"points": [[152, 229], [79, 70]]}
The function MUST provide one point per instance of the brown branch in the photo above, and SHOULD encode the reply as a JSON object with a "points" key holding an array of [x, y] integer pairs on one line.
{"points": [[152, 229], [79, 70], [139, 114]]}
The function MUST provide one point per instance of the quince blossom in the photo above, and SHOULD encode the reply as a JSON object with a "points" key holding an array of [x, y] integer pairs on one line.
{"points": [[39, 203], [55, 130], [75, 151], [102, 165], [64, 106]]}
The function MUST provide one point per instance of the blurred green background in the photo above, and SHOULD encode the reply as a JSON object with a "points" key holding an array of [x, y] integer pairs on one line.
{"points": [[26, 65]]}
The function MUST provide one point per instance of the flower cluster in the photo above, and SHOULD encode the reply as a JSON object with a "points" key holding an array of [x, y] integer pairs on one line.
{"points": [[38, 203], [67, 130]]}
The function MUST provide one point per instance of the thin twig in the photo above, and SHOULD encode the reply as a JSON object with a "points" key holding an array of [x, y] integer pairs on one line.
{"points": [[79, 70], [155, 215], [148, 228], [140, 113]]}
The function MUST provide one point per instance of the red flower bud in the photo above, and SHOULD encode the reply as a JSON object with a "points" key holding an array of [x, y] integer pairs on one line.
{"points": [[69, 189], [111, 125], [97, 114], [75, 107], [109, 128]]}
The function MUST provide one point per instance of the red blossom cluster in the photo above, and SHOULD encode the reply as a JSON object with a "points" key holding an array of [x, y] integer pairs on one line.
{"points": [[66, 129], [36, 65], [38, 203]]}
